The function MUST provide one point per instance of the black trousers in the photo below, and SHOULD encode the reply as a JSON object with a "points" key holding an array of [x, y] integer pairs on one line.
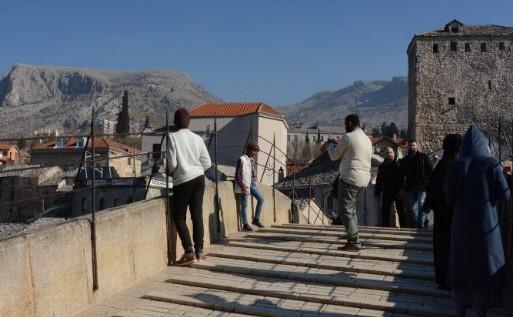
{"points": [[388, 199], [189, 194]]}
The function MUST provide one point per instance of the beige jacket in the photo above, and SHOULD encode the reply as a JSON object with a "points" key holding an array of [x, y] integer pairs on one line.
{"points": [[355, 152]]}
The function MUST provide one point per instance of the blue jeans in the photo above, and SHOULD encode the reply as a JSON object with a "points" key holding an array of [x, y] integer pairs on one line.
{"points": [[244, 198], [416, 199]]}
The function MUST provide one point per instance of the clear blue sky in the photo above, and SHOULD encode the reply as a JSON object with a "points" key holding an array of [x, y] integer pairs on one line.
{"points": [[275, 51]]}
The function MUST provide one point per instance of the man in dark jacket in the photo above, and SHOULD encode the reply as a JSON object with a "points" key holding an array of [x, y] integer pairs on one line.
{"points": [[389, 182], [416, 169]]}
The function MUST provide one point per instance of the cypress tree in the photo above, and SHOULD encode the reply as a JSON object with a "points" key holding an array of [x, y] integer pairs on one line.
{"points": [[123, 124], [147, 122]]}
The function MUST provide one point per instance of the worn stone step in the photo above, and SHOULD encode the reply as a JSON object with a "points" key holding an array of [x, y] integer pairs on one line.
{"points": [[342, 235], [323, 262], [256, 305], [324, 245], [301, 248], [384, 230], [323, 276], [367, 243], [314, 293], [123, 306]]}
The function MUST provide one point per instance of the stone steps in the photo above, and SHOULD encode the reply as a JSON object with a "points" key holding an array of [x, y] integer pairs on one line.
{"points": [[323, 262], [322, 276], [296, 270], [366, 229], [367, 243], [319, 250], [312, 293], [341, 234]]}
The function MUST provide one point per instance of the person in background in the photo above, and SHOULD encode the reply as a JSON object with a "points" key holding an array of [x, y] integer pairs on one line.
{"points": [[477, 266], [436, 200], [416, 169], [354, 150], [388, 183], [187, 159], [245, 185]]}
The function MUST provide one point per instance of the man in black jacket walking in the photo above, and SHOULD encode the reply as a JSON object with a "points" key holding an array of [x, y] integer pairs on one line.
{"points": [[389, 182], [416, 169]]}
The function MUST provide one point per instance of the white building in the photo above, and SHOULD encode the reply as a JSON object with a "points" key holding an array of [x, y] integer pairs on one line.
{"points": [[237, 123]]}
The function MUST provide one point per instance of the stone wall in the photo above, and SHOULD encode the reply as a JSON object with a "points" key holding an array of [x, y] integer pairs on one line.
{"points": [[49, 272], [481, 84]]}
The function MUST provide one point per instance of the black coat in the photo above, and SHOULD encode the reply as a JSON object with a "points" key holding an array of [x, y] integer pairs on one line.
{"points": [[416, 170], [436, 200], [389, 178]]}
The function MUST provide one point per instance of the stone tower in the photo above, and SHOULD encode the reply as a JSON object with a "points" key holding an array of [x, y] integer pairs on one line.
{"points": [[459, 75]]}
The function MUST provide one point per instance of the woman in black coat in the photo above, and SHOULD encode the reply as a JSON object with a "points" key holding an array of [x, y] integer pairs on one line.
{"points": [[442, 213]]}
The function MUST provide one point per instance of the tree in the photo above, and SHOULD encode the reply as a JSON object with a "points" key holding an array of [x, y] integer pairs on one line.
{"points": [[307, 150], [318, 136], [123, 123], [375, 132], [402, 134], [147, 122], [393, 130]]}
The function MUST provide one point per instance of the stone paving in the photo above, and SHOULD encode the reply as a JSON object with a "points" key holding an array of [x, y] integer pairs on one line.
{"points": [[296, 270]]}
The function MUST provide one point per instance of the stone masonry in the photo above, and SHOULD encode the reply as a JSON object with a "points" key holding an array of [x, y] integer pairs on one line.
{"points": [[459, 75]]}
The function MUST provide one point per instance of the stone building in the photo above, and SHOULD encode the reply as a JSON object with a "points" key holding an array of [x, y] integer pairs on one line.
{"points": [[125, 160], [9, 154], [458, 75]]}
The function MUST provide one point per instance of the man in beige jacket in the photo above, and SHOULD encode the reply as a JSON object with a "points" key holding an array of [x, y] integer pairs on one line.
{"points": [[354, 150]]}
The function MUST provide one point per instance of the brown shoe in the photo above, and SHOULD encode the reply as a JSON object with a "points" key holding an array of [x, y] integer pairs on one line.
{"points": [[350, 247], [186, 259], [200, 255]]}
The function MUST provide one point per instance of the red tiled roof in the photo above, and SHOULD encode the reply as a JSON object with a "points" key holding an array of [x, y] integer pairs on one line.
{"points": [[99, 143], [6, 147], [234, 109]]}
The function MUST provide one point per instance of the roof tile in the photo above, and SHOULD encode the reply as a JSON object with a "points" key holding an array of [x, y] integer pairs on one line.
{"points": [[231, 109]]}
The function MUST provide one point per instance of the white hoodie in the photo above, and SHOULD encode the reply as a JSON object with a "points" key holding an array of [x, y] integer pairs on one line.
{"points": [[187, 156], [355, 153]]}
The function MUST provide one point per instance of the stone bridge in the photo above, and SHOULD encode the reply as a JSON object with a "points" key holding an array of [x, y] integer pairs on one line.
{"points": [[283, 270]]}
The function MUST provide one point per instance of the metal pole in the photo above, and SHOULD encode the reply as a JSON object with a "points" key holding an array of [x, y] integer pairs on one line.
{"points": [[274, 177], [500, 141], [168, 203], [217, 204], [293, 187], [93, 203], [309, 196]]}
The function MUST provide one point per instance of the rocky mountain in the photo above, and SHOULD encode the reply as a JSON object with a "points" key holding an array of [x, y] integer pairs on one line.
{"points": [[40, 97], [374, 101]]}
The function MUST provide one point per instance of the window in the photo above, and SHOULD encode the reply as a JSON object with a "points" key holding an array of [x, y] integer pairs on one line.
{"points": [[483, 47], [322, 138], [84, 204], [454, 46], [102, 204], [452, 101], [467, 47], [129, 161], [435, 48], [455, 29], [501, 46], [314, 138], [156, 148], [116, 201]]}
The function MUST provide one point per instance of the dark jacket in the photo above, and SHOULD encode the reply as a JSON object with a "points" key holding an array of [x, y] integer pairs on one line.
{"points": [[416, 170], [389, 178], [475, 183]]}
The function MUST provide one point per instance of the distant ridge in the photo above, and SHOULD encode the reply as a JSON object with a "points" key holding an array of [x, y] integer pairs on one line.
{"points": [[35, 97], [374, 101]]}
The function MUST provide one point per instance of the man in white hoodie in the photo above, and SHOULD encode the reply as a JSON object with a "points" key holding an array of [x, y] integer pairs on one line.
{"points": [[187, 160], [355, 152]]}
